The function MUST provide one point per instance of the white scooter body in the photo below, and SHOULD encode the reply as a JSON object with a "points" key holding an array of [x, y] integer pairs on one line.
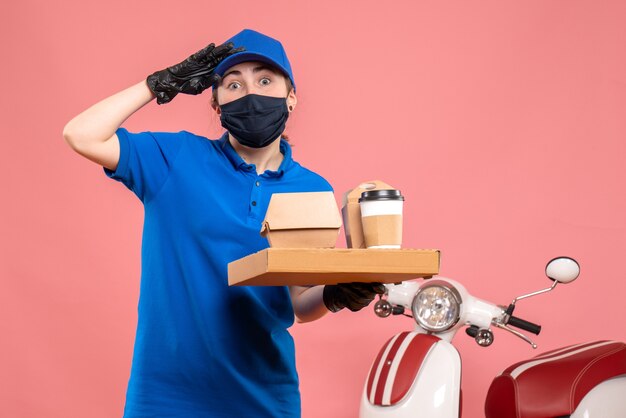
{"points": [[436, 388]]}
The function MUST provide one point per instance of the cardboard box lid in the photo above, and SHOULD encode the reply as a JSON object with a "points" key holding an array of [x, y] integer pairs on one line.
{"points": [[302, 210], [353, 195], [309, 266]]}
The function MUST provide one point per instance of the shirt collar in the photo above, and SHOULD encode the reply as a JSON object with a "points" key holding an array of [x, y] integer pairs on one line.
{"points": [[239, 164]]}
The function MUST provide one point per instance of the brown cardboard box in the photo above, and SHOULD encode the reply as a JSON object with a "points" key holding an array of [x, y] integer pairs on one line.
{"points": [[302, 220], [302, 266], [351, 212]]}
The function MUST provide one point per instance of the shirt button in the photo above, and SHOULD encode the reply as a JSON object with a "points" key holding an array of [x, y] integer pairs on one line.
{"points": [[253, 203], [258, 183]]}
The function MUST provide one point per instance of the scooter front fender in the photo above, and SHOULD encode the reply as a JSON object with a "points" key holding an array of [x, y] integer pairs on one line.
{"points": [[415, 375]]}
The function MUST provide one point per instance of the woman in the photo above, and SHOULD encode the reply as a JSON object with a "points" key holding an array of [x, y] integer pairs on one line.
{"points": [[202, 348]]}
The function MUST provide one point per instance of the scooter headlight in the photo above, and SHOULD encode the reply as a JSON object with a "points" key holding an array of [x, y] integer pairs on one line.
{"points": [[437, 306]]}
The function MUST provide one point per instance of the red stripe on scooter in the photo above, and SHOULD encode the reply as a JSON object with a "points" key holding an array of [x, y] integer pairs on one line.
{"points": [[382, 380], [410, 363], [372, 376], [563, 350], [549, 354]]}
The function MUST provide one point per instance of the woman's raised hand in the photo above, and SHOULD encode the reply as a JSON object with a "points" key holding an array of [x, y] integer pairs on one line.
{"points": [[193, 75]]}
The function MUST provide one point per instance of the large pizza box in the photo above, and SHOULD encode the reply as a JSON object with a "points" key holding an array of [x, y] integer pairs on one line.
{"points": [[316, 266]]}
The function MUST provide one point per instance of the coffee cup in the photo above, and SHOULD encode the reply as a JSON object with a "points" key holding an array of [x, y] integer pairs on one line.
{"points": [[381, 216]]}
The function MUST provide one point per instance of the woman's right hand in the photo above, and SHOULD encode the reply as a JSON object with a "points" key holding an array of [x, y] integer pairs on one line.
{"points": [[193, 75], [354, 296]]}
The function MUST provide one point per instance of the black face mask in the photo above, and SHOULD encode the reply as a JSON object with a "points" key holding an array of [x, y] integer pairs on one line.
{"points": [[255, 120]]}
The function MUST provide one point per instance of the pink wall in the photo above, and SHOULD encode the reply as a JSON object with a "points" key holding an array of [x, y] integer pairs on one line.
{"points": [[502, 123]]}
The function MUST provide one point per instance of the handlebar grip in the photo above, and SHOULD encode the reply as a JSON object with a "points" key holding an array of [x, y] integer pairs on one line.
{"points": [[525, 325]]}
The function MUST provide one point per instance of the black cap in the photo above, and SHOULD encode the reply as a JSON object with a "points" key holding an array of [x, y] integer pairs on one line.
{"points": [[381, 195]]}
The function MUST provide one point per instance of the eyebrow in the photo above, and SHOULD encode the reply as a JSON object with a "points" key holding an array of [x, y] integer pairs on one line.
{"points": [[254, 70]]}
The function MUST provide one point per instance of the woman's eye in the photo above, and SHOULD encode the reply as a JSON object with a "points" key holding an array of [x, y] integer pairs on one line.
{"points": [[234, 85], [265, 81]]}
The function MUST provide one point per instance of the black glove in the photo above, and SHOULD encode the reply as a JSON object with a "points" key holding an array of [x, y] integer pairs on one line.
{"points": [[354, 296], [192, 76]]}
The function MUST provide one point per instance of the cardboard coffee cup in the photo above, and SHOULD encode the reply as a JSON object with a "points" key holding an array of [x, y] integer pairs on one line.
{"points": [[381, 215]]}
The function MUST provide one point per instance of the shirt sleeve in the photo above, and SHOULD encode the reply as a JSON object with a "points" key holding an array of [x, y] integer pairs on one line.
{"points": [[327, 185], [146, 159], [316, 182]]}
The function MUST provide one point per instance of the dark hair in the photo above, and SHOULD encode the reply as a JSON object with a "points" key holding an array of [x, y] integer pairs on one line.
{"points": [[287, 83]]}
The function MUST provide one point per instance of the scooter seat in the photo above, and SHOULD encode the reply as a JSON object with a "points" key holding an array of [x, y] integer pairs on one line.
{"points": [[553, 384]]}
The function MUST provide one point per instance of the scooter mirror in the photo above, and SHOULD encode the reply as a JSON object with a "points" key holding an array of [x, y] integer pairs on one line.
{"points": [[563, 269]]}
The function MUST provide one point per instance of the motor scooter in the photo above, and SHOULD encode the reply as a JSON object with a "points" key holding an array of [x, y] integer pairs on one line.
{"points": [[418, 373]]}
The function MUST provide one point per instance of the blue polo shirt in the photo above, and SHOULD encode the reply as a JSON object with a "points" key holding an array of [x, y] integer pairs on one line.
{"points": [[202, 348]]}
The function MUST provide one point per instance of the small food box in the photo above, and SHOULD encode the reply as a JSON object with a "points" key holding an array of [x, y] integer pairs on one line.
{"points": [[302, 220]]}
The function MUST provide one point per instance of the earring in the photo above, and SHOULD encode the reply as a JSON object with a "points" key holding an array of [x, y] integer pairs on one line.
{"points": [[290, 108]]}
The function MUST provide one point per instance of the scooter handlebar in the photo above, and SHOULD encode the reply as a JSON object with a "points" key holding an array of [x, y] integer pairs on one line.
{"points": [[525, 325]]}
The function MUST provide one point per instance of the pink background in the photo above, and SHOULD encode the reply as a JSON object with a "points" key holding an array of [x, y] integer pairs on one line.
{"points": [[502, 123]]}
